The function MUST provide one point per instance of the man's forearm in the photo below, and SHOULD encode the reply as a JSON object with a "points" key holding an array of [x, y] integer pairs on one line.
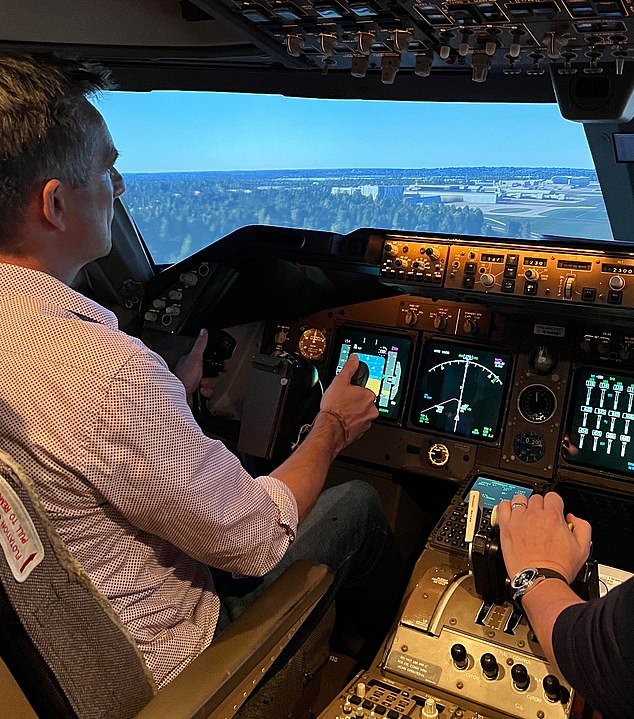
{"points": [[543, 604], [304, 472]]}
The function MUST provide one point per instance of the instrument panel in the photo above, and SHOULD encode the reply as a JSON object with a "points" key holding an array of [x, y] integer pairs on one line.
{"points": [[460, 386]]}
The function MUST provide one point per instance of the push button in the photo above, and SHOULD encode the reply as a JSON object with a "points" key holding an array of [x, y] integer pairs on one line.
{"points": [[470, 268], [508, 285], [530, 288], [614, 297], [588, 294], [510, 271], [512, 260]]}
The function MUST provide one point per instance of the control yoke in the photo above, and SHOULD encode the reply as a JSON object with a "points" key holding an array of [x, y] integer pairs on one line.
{"points": [[487, 563]]}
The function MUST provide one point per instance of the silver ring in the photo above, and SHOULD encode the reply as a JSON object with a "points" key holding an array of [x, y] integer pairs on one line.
{"points": [[518, 504]]}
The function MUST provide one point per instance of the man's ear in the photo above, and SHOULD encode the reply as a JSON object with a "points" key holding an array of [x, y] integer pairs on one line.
{"points": [[53, 200]]}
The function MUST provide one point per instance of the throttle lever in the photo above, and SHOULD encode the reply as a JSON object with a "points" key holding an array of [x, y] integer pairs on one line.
{"points": [[361, 375]]}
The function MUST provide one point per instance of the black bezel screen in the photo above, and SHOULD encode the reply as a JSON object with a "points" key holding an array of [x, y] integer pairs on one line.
{"points": [[387, 357], [460, 390], [494, 491], [601, 424]]}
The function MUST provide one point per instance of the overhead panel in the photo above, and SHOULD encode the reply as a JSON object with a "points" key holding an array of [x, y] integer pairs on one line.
{"points": [[576, 37]]}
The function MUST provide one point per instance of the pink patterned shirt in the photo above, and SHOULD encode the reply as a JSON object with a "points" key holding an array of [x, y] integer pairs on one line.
{"points": [[143, 499]]}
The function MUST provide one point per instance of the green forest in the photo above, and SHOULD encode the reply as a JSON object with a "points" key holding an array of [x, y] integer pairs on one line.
{"points": [[179, 213]]}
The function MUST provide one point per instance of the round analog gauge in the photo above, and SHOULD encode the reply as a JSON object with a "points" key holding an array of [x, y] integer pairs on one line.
{"points": [[543, 360], [529, 447], [438, 454], [312, 344], [537, 403]]}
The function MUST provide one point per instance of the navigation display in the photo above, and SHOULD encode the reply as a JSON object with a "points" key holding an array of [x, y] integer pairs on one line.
{"points": [[387, 357], [494, 491], [602, 421], [461, 390]]}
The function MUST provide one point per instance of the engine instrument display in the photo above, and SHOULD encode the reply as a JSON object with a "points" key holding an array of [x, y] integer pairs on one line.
{"points": [[602, 421], [387, 357], [460, 390]]}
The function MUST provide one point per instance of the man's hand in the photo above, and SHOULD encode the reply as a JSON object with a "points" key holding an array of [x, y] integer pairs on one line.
{"points": [[535, 534], [189, 369], [354, 405]]}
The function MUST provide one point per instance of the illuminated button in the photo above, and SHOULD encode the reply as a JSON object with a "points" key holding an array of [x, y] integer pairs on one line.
{"points": [[470, 268], [512, 260], [510, 271], [175, 295], [508, 285], [150, 316], [615, 298], [468, 282], [588, 294], [173, 310], [530, 288], [158, 304]]}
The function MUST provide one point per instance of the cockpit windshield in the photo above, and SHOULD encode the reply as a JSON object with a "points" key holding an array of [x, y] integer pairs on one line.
{"points": [[199, 165]]}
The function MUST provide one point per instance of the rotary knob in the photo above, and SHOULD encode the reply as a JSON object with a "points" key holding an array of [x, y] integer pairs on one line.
{"points": [[569, 284], [487, 280], [531, 274], [616, 283], [470, 327], [432, 253], [440, 322], [411, 317]]}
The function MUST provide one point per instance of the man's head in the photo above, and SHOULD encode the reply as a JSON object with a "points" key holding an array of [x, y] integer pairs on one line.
{"points": [[56, 158]]}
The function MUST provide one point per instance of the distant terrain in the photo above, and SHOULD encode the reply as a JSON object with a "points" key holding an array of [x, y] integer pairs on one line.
{"points": [[179, 213]]}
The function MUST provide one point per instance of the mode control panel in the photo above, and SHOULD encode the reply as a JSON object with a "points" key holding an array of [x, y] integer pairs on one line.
{"points": [[526, 272], [581, 277]]}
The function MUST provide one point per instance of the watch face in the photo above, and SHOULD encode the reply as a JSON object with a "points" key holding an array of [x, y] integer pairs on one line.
{"points": [[524, 578]]}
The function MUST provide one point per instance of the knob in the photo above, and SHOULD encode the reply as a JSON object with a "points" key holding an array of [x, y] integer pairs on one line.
{"points": [[364, 42], [531, 274], [361, 690], [358, 712], [432, 253], [429, 710], [552, 688], [158, 304], [463, 48], [411, 317], [440, 322], [173, 310], [389, 67], [616, 282], [438, 454], [423, 65], [480, 65], [470, 327], [175, 295], [459, 656], [189, 279], [569, 283], [489, 666], [520, 677], [487, 280], [327, 43], [347, 707], [359, 66]]}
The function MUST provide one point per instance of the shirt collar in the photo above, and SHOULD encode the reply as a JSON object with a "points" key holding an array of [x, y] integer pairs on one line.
{"points": [[17, 280]]}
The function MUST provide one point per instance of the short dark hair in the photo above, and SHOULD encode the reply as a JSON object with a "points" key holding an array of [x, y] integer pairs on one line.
{"points": [[45, 129]]}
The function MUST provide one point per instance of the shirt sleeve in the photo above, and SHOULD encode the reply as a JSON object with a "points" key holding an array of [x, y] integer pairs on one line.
{"points": [[594, 648], [149, 459]]}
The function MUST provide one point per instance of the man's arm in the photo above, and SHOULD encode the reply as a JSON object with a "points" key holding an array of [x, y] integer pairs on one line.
{"points": [[537, 535], [346, 412]]}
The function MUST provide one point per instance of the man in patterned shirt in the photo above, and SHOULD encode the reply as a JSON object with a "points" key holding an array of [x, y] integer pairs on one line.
{"points": [[144, 500]]}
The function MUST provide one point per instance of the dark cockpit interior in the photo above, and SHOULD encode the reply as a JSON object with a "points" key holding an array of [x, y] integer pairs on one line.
{"points": [[501, 356]]}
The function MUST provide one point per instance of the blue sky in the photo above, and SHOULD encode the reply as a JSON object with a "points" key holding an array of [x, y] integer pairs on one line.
{"points": [[187, 131]]}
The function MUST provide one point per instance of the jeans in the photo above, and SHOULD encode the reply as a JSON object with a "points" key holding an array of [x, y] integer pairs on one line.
{"points": [[347, 531]]}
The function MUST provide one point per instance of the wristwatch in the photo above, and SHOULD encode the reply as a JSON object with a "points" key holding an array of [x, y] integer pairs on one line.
{"points": [[529, 577]]}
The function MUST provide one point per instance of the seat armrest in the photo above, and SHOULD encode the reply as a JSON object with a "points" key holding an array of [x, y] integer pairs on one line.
{"points": [[220, 679]]}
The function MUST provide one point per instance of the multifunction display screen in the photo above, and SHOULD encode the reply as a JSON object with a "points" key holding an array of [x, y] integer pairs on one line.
{"points": [[387, 357], [461, 390], [493, 491], [602, 421]]}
